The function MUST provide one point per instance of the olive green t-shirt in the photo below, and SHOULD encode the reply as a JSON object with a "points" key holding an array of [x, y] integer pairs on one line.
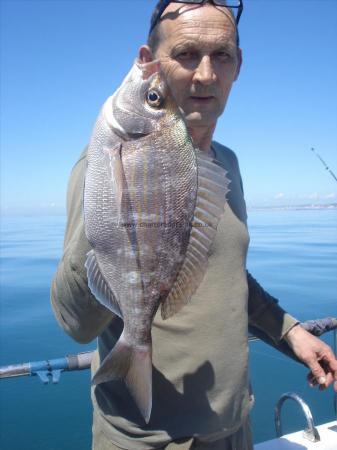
{"points": [[200, 355]]}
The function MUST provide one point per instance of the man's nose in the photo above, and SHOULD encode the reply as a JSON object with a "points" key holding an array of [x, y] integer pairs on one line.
{"points": [[204, 73]]}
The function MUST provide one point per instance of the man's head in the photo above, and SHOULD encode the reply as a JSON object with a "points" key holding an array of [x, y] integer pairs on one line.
{"points": [[235, 6], [197, 46]]}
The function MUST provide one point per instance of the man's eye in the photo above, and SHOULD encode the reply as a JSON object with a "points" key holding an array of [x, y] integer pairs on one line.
{"points": [[183, 56], [223, 56]]}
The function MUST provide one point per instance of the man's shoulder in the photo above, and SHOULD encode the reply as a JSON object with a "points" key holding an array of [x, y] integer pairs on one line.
{"points": [[225, 154], [78, 168], [76, 180], [82, 158]]}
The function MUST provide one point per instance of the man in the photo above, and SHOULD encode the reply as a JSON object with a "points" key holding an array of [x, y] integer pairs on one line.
{"points": [[200, 380]]}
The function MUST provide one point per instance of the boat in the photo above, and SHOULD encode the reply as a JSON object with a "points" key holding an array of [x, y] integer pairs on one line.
{"points": [[320, 437]]}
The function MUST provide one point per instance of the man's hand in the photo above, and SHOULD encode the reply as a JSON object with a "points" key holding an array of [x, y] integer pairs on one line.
{"points": [[315, 354]]}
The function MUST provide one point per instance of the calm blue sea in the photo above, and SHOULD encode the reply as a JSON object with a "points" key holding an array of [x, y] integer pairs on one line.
{"points": [[294, 256]]}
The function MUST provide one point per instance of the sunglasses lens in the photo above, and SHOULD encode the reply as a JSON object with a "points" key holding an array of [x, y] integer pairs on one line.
{"points": [[234, 5], [188, 1], [229, 3]]}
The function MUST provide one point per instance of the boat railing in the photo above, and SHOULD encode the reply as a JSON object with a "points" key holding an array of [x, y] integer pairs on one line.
{"points": [[51, 369], [310, 432]]}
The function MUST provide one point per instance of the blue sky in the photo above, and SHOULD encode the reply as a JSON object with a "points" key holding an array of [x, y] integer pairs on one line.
{"points": [[62, 59]]}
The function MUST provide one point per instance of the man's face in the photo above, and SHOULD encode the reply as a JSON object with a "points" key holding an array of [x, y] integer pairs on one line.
{"points": [[200, 59]]}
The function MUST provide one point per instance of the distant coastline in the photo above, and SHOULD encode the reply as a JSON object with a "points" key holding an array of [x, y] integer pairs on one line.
{"points": [[61, 210], [311, 206]]}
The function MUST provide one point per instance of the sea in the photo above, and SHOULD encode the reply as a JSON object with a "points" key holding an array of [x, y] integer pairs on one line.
{"points": [[293, 254]]}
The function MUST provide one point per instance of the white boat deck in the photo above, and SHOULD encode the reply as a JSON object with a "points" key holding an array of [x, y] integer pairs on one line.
{"points": [[296, 441]]}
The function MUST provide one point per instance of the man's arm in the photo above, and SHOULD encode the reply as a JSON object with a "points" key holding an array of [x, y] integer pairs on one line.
{"points": [[265, 314], [76, 309], [268, 321], [284, 332]]}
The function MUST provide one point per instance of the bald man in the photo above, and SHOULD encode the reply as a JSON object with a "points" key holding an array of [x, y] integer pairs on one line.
{"points": [[201, 397]]}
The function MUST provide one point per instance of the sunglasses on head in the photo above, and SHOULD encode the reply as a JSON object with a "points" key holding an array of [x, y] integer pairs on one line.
{"points": [[235, 5]]}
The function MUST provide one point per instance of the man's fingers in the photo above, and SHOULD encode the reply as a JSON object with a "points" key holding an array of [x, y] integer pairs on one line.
{"points": [[317, 372], [329, 380], [330, 363], [311, 379], [314, 382]]}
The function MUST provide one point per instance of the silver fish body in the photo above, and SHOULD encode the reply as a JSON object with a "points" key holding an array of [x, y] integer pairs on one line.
{"points": [[151, 207]]}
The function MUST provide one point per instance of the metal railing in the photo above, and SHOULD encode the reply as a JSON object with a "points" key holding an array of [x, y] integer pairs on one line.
{"points": [[311, 432], [51, 369]]}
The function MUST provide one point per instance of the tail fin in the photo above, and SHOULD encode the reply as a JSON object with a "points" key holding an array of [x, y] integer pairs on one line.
{"points": [[134, 365]]}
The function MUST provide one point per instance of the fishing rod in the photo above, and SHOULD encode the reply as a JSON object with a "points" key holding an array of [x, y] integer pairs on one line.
{"points": [[51, 369], [324, 163]]}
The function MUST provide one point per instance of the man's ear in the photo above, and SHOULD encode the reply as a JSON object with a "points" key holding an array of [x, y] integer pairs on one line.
{"points": [[145, 54], [239, 53]]}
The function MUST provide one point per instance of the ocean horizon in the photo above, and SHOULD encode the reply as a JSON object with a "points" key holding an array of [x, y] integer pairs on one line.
{"points": [[60, 210], [293, 254]]}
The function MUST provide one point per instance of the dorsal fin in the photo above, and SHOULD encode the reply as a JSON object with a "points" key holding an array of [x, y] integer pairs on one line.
{"points": [[210, 203]]}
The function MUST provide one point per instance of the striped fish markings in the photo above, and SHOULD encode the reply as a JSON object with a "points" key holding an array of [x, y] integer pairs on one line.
{"points": [[152, 203]]}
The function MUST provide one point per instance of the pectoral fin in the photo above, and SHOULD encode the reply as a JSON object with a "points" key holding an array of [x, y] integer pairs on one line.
{"points": [[117, 176]]}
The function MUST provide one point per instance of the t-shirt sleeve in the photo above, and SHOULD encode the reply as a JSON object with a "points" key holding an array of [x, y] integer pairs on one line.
{"points": [[76, 309]]}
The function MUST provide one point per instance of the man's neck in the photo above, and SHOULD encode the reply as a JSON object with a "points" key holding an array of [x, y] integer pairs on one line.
{"points": [[202, 138]]}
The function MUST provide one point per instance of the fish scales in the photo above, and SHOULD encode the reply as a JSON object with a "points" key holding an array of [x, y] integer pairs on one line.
{"points": [[142, 211]]}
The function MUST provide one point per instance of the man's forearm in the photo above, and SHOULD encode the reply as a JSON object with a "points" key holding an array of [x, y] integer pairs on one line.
{"points": [[265, 314]]}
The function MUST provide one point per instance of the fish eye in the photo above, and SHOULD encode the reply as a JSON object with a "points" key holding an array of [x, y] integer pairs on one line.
{"points": [[154, 98]]}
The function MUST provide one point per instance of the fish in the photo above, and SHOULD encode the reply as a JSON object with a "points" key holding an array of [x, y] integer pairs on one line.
{"points": [[152, 202]]}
